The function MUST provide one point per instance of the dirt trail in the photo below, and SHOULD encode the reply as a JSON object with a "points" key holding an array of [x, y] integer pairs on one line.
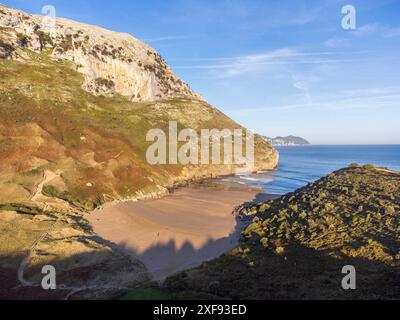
{"points": [[42, 199], [25, 261], [47, 177]]}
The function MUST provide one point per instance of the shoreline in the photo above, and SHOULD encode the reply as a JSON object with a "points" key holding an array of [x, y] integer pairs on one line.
{"points": [[166, 191], [182, 229]]}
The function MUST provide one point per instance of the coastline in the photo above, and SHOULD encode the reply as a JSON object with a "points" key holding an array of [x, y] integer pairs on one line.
{"points": [[165, 191], [180, 230]]}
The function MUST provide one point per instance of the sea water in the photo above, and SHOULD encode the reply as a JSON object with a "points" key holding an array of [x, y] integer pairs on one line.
{"points": [[299, 166]]}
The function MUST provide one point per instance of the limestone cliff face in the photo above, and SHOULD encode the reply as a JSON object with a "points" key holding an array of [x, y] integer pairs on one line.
{"points": [[111, 62]]}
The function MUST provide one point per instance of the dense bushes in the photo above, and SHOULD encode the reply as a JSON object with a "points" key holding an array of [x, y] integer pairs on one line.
{"points": [[81, 202], [350, 203], [106, 83], [297, 245], [6, 49], [44, 39]]}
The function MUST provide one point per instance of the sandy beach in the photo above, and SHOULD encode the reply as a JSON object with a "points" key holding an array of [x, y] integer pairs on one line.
{"points": [[178, 232]]}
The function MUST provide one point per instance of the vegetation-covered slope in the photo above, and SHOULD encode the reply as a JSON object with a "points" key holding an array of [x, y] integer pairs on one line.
{"points": [[96, 144], [296, 245], [74, 113]]}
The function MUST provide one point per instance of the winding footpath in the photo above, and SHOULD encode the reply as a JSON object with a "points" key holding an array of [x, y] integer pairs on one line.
{"points": [[40, 198]]}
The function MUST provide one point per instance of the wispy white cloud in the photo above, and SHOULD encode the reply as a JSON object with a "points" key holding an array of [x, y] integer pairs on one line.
{"points": [[368, 98], [256, 63], [247, 68], [168, 38], [366, 30], [302, 20], [292, 53], [304, 82], [392, 32], [233, 66], [336, 42], [372, 91], [251, 63], [377, 29]]}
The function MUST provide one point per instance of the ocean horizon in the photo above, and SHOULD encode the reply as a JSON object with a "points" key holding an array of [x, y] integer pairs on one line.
{"points": [[301, 165]]}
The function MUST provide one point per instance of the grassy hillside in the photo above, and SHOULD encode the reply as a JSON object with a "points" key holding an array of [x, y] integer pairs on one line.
{"points": [[295, 246], [64, 151], [96, 143]]}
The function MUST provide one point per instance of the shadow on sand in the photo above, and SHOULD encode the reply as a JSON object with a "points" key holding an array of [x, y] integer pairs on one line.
{"points": [[299, 273], [165, 259]]}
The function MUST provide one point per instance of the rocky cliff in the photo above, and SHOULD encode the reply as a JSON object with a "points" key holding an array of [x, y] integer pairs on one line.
{"points": [[111, 62]]}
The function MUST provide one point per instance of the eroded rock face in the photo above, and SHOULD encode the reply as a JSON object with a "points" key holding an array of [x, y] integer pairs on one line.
{"points": [[111, 62]]}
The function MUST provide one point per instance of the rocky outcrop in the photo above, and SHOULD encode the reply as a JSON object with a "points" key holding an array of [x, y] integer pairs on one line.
{"points": [[111, 62]]}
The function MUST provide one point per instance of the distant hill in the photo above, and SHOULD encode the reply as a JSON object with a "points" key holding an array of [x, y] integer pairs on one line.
{"points": [[287, 141]]}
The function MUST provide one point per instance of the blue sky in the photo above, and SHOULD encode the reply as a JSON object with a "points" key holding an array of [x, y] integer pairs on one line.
{"points": [[277, 67]]}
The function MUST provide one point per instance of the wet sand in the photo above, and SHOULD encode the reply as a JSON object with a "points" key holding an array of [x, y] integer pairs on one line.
{"points": [[179, 231]]}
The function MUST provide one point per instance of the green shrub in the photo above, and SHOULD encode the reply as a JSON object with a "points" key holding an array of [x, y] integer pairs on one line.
{"points": [[7, 49], [22, 40], [264, 242], [354, 165], [44, 39], [19, 208], [88, 204], [50, 191], [102, 82], [390, 210]]}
